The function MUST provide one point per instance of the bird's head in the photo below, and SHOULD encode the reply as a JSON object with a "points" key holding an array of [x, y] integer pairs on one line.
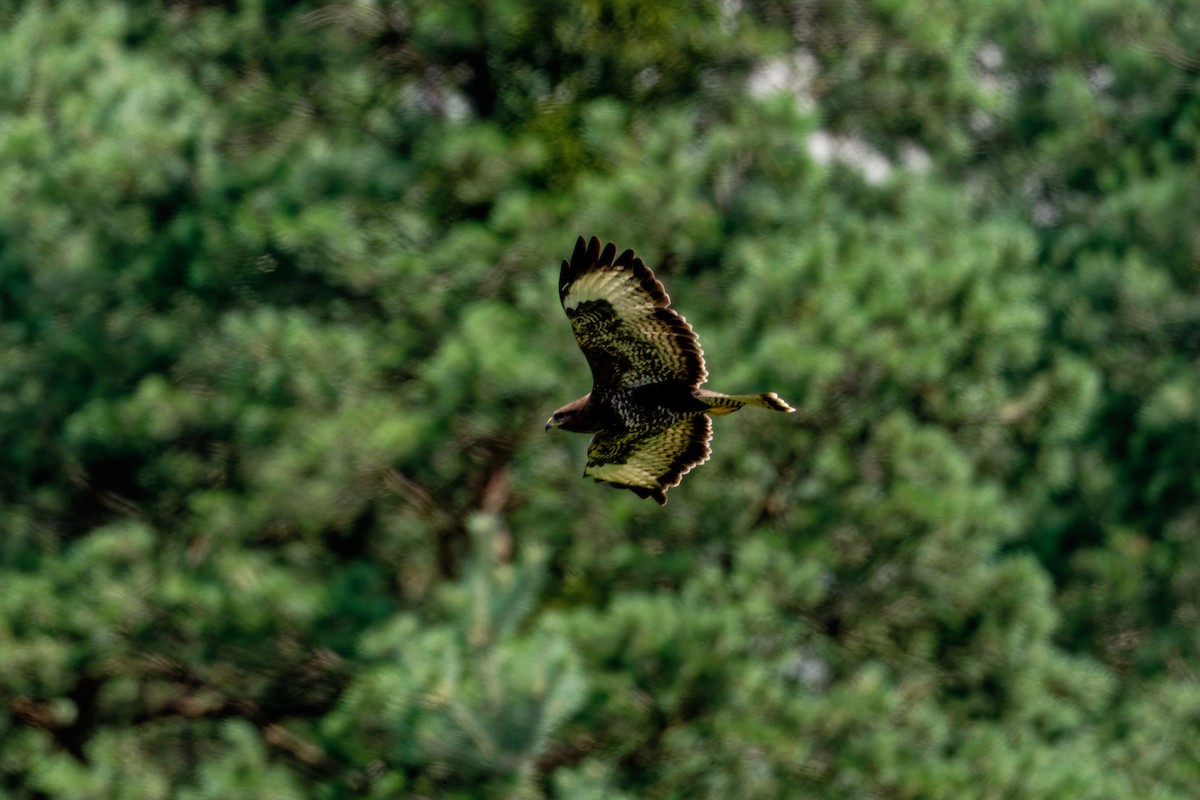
{"points": [[570, 417]]}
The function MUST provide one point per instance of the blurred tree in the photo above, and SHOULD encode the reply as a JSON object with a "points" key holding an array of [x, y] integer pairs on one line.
{"points": [[278, 331]]}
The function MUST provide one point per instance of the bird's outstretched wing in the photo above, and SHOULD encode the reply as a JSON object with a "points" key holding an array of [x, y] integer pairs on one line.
{"points": [[619, 313], [649, 464]]}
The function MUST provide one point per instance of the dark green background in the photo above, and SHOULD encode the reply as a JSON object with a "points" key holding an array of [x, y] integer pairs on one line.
{"points": [[279, 331]]}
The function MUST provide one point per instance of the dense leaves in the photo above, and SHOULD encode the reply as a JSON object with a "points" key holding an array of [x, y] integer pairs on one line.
{"points": [[278, 331]]}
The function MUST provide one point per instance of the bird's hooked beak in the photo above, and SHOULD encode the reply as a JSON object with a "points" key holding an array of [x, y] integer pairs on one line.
{"points": [[550, 423]]}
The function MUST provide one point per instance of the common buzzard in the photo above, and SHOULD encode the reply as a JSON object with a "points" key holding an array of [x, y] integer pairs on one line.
{"points": [[646, 408]]}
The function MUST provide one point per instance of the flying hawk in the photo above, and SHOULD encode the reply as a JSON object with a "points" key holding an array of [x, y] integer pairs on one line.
{"points": [[646, 408]]}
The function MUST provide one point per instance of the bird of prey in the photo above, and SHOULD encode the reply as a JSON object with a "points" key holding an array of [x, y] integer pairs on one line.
{"points": [[646, 408]]}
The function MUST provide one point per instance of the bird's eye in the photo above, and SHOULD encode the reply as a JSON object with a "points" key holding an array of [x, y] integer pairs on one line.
{"points": [[560, 415]]}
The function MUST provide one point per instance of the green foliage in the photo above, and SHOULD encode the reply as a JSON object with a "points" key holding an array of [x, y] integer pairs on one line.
{"points": [[278, 332], [473, 702]]}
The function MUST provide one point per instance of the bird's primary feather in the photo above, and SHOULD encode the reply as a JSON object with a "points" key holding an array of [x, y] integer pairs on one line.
{"points": [[619, 313]]}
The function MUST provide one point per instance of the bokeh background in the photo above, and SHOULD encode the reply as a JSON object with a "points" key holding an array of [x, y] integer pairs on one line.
{"points": [[279, 331]]}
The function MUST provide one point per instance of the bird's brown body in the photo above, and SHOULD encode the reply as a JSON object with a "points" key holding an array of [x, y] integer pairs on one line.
{"points": [[652, 406], [646, 408]]}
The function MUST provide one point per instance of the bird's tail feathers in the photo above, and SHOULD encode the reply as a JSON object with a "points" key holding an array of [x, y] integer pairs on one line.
{"points": [[728, 403]]}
